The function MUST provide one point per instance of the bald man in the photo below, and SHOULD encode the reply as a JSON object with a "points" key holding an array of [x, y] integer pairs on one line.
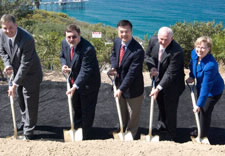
{"points": [[165, 61]]}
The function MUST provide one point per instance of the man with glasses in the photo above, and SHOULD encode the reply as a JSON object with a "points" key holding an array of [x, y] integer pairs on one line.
{"points": [[79, 61]]}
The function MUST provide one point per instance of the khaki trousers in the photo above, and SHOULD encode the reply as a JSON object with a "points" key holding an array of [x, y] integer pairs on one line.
{"points": [[130, 110]]}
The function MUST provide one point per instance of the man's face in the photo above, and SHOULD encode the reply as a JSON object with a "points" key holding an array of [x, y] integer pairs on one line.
{"points": [[9, 28], [125, 33], [164, 39], [73, 38]]}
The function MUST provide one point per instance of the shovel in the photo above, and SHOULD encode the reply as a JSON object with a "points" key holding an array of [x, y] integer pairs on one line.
{"points": [[72, 134], [127, 136], [150, 137], [198, 139], [12, 104]]}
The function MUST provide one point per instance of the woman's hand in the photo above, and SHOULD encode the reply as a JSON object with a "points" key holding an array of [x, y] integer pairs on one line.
{"points": [[196, 109]]}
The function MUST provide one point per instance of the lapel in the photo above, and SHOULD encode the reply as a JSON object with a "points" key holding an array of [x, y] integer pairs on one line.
{"points": [[16, 43], [67, 53], [5, 41], [195, 63], [75, 57], [7, 46], [78, 51], [117, 49], [165, 55]]}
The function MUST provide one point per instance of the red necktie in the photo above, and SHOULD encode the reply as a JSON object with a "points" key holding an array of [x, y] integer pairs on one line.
{"points": [[72, 53], [122, 53]]}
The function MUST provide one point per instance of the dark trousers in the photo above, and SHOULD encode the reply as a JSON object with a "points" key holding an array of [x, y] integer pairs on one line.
{"points": [[84, 111], [168, 111], [206, 113], [28, 98]]}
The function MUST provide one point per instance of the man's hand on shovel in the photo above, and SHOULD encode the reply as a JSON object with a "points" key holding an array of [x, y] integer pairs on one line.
{"points": [[118, 93], [71, 91], [155, 93], [12, 91]]}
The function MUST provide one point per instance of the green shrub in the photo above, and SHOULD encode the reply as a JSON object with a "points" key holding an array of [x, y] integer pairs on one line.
{"points": [[186, 34]]}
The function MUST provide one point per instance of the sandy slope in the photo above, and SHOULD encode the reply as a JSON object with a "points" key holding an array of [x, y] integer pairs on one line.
{"points": [[11, 147]]}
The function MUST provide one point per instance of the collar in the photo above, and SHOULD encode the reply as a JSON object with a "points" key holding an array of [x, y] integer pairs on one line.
{"points": [[13, 38], [161, 48], [71, 44], [126, 44]]}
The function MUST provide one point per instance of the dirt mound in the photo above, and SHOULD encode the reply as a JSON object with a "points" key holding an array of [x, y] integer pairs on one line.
{"points": [[53, 118]]}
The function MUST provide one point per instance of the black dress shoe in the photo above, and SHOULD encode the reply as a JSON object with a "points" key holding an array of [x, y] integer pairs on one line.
{"points": [[194, 133], [20, 126], [160, 128], [28, 137]]}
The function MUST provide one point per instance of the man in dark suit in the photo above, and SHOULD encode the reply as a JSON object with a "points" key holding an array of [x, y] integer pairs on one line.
{"points": [[129, 78], [78, 58], [17, 49], [165, 61]]}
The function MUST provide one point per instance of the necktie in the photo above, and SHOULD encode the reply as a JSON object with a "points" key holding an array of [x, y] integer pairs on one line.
{"points": [[160, 57], [122, 53], [11, 46], [72, 53]]}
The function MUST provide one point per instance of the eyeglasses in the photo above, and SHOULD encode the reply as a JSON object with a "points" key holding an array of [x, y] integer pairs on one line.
{"points": [[203, 48], [73, 37]]}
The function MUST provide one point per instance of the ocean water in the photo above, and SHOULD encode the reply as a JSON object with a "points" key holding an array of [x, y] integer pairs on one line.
{"points": [[147, 16]]}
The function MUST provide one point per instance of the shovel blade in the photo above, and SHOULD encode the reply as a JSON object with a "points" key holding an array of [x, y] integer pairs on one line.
{"points": [[150, 138], [73, 135], [204, 140], [118, 136], [128, 136]]}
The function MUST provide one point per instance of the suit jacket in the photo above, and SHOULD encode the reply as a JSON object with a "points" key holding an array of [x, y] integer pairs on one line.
{"points": [[209, 81], [130, 77], [23, 59], [171, 72], [85, 68]]}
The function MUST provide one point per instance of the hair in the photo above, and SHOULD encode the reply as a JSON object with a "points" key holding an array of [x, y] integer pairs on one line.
{"points": [[8, 18], [204, 39], [73, 27], [125, 23], [167, 30]]}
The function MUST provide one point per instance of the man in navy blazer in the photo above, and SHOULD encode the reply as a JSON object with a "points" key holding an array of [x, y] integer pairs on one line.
{"points": [[129, 77], [165, 61], [84, 77], [21, 59]]}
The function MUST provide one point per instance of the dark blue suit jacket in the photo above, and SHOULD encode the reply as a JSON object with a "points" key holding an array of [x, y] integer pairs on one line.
{"points": [[209, 81], [130, 77], [85, 68]]}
